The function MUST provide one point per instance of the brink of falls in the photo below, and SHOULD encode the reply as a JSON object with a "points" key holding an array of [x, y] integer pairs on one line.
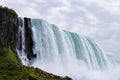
{"points": [[57, 51]]}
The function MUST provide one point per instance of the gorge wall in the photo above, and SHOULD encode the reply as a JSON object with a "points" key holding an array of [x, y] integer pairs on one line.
{"points": [[8, 28]]}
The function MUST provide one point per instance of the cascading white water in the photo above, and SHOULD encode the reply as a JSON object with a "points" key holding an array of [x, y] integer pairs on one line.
{"points": [[66, 53], [21, 43], [60, 51]]}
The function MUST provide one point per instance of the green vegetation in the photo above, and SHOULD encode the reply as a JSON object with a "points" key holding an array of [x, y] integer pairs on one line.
{"points": [[12, 69], [7, 57]]}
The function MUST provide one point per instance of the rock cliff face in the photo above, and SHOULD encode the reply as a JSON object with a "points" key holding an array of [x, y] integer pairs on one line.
{"points": [[8, 28]]}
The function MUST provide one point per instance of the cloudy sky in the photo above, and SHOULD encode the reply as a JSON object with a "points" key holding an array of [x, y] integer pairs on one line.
{"points": [[97, 19]]}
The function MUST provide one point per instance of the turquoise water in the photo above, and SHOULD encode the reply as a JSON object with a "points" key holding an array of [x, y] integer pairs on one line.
{"points": [[68, 54]]}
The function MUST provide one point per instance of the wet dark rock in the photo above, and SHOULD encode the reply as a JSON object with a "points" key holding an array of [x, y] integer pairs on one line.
{"points": [[29, 43]]}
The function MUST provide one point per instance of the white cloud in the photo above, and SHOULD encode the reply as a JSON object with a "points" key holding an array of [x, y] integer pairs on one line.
{"points": [[112, 6], [92, 19]]}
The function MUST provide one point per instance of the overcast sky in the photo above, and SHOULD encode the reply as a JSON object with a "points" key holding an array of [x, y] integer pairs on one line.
{"points": [[97, 19]]}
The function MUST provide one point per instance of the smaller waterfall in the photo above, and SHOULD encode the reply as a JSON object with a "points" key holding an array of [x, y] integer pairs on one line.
{"points": [[21, 43]]}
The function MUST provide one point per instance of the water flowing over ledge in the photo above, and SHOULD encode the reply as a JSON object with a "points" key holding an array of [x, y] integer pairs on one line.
{"points": [[58, 51]]}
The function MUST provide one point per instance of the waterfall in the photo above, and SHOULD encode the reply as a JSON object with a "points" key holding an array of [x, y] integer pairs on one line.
{"points": [[21, 43], [59, 51], [63, 48]]}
